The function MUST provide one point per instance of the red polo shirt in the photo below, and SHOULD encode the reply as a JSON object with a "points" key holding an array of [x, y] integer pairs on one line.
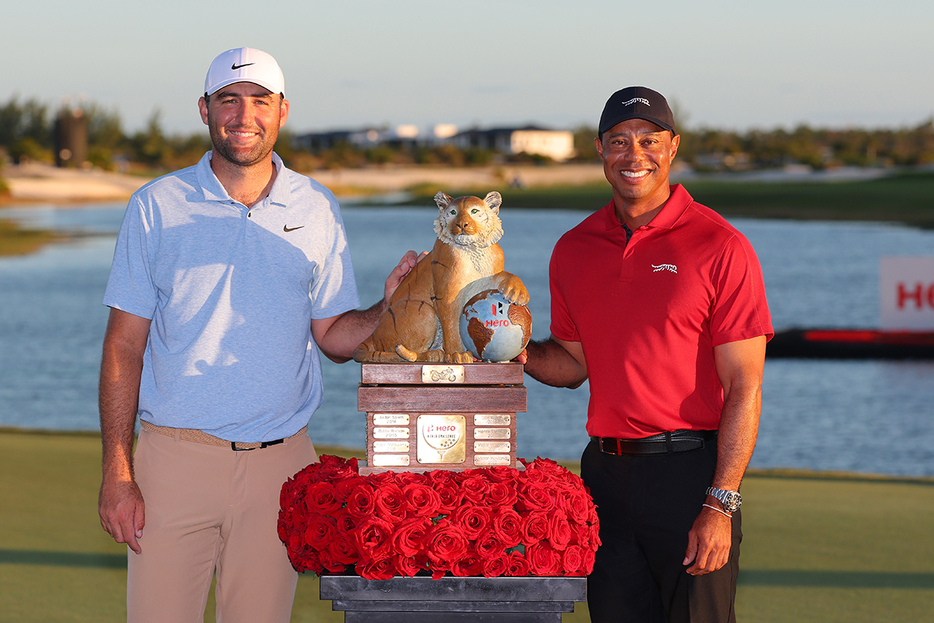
{"points": [[648, 313]]}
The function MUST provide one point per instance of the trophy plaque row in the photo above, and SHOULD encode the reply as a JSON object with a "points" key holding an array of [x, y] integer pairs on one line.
{"points": [[440, 416]]}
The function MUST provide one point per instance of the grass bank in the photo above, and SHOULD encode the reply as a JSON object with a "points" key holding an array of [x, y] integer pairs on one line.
{"points": [[903, 198], [14, 240], [827, 548]]}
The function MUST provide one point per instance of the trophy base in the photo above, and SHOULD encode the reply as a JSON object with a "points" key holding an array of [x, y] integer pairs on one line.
{"points": [[423, 417]]}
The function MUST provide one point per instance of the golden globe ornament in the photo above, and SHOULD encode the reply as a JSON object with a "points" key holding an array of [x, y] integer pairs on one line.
{"points": [[493, 329]]}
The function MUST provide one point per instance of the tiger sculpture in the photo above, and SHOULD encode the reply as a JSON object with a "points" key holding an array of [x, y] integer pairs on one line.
{"points": [[421, 321]]}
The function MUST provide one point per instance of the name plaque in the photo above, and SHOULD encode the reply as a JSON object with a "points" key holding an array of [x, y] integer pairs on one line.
{"points": [[390, 460], [492, 419], [492, 446], [390, 446], [383, 432], [491, 433], [425, 417], [390, 419]]}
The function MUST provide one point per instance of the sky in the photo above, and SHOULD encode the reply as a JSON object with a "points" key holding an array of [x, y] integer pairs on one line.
{"points": [[348, 64]]}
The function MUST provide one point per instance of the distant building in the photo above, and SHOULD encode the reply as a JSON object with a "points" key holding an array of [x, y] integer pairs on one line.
{"points": [[371, 137], [321, 141], [555, 144]]}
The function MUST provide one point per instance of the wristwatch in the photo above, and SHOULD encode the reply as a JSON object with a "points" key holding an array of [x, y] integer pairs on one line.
{"points": [[730, 499]]}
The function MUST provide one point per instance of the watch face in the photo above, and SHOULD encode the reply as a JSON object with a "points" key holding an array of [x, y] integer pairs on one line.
{"points": [[732, 500]]}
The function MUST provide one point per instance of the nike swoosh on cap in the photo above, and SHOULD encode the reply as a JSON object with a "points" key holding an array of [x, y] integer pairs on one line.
{"points": [[236, 67], [287, 229]]}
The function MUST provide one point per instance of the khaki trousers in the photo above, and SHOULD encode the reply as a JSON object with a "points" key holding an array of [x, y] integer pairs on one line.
{"points": [[210, 509]]}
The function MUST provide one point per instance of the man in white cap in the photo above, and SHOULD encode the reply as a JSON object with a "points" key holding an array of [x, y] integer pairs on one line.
{"points": [[228, 278]]}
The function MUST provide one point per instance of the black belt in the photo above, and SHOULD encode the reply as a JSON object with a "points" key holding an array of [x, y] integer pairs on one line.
{"points": [[662, 443]]}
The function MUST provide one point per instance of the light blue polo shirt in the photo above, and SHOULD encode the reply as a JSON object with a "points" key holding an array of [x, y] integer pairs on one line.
{"points": [[231, 292]]}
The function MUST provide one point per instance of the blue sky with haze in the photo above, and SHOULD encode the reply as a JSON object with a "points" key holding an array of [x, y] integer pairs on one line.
{"points": [[353, 63]]}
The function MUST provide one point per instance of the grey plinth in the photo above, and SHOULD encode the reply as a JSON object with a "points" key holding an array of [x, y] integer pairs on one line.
{"points": [[458, 600]]}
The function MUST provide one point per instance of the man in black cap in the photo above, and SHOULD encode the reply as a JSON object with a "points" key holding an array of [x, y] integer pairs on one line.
{"points": [[660, 304]]}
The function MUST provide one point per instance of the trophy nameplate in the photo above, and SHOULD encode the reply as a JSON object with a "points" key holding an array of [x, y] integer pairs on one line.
{"points": [[441, 438], [440, 416]]}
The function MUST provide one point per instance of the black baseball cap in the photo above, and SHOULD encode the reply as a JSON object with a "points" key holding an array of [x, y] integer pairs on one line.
{"points": [[637, 103]]}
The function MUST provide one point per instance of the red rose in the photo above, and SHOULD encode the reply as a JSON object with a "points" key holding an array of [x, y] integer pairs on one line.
{"points": [[559, 530], [577, 504], [305, 561], [329, 562], [517, 565], [473, 520], [321, 498], [446, 484], [390, 503], [594, 539], [502, 494], [507, 526], [361, 501], [288, 495], [409, 478], [534, 527], [495, 566], [441, 476], [543, 559], [344, 486], [333, 468], [468, 565], [475, 487], [547, 467], [346, 523], [446, 543], [587, 565], [531, 475], [381, 479], [343, 550], [406, 565], [572, 560], [383, 569], [536, 497], [450, 497], [421, 500], [489, 546], [296, 542], [319, 531], [374, 539], [410, 536], [501, 473]]}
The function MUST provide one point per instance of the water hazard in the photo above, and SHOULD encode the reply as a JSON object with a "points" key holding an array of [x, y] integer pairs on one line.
{"points": [[863, 416]]}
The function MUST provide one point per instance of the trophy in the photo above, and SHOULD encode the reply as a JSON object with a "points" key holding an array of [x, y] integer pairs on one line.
{"points": [[437, 382]]}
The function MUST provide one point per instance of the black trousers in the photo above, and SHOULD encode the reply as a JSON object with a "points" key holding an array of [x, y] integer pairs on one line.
{"points": [[647, 505]]}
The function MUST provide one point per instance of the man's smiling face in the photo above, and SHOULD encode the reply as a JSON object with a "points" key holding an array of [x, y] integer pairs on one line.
{"points": [[637, 157], [244, 121]]}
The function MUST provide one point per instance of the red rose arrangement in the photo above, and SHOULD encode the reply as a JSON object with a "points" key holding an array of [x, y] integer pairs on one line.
{"points": [[496, 521]]}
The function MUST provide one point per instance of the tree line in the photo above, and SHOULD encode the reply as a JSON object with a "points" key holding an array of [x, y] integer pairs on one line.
{"points": [[27, 130]]}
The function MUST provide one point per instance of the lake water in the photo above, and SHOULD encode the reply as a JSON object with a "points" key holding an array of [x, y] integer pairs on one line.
{"points": [[860, 416]]}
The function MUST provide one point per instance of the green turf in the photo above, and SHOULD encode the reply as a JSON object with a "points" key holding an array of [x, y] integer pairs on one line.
{"points": [[904, 198], [817, 548]]}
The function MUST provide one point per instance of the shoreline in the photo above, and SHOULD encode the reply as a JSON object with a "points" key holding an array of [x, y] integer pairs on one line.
{"points": [[37, 183]]}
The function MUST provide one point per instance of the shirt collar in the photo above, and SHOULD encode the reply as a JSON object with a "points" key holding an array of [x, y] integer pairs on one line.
{"points": [[213, 190], [677, 203]]}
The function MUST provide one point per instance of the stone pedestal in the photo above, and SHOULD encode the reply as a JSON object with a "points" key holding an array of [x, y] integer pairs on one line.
{"points": [[422, 417], [452, 599]]}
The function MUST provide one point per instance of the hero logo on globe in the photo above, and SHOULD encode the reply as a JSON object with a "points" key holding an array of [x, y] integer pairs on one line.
{"points": [[493, 329]]}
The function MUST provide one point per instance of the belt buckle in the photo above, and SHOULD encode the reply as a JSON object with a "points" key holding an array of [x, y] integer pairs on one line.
{"points": [[263, 445], [616, 449]]}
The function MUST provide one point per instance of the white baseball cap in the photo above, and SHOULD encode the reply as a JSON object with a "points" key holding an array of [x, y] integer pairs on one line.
{"points": [[244, 65]]}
